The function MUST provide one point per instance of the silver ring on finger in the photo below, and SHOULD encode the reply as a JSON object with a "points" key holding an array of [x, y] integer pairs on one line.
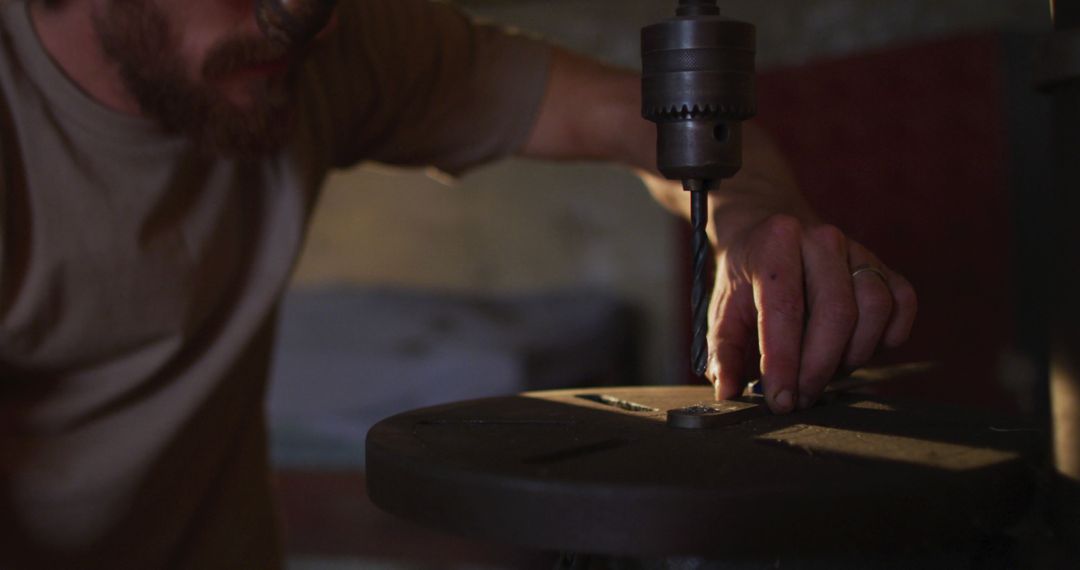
{"points": [[855, 273]]}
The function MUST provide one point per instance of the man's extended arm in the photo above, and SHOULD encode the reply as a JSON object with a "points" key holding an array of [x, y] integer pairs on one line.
{"points": [[784, 289]]}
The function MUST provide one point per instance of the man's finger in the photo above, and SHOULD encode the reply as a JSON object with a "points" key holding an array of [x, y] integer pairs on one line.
{"points": [[905, 306], [831, 310], [875, 308], [728, 370], [730, 335], [875, 302], [777, 277]]}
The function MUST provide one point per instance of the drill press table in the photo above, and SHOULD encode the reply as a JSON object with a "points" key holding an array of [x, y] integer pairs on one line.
{"points": [[600, 471]]}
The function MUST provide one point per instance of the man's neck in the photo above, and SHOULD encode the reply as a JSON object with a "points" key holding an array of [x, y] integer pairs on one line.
{"points": [[68, 35]]}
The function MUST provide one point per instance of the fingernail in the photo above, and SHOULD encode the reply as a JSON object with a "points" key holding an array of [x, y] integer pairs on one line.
{"points": [[784, 401], [716, 391]]}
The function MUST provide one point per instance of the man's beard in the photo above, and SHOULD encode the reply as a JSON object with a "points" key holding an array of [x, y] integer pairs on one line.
{"points": [[137, 36]]}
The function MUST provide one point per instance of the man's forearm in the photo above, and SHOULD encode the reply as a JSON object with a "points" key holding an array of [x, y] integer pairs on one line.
{"points": [[593, 112]]}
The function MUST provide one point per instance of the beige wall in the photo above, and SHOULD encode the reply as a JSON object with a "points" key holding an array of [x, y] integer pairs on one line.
{"points": [[513, 227]]}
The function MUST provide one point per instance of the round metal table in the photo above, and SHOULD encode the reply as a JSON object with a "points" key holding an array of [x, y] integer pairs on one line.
{"points": [[601, 471]]}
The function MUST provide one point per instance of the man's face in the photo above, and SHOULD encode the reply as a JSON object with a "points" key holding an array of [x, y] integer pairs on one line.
{"points": [[202, 67]]}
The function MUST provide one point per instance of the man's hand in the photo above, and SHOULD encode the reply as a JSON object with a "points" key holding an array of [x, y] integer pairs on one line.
{"points": [[788, 307], [795, 301]]}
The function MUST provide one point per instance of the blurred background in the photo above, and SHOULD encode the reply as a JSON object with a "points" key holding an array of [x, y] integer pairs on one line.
{"points": [[909, 123]]}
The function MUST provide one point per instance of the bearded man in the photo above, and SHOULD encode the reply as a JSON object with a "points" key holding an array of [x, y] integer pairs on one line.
{"points": [[158, 165]]}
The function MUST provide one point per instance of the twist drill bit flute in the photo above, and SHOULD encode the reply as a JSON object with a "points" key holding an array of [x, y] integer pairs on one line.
{"points": [[698, 87]]}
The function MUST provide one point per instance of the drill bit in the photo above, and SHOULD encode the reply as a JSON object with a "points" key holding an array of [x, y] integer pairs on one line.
{"points": [[699, 293], [697, 85]]}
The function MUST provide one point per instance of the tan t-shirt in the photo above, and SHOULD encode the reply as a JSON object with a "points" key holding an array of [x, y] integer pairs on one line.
{"points": [[140, 279]]}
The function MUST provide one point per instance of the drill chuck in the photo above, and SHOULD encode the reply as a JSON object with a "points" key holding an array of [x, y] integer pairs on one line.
{"points": [[293, 22], [697, 86]]}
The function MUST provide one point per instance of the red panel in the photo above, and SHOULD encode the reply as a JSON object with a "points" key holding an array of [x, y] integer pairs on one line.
{"points": [[905, 150]]}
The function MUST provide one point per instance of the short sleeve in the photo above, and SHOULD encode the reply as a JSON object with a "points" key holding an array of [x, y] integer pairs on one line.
{"points": [[418, 83]]}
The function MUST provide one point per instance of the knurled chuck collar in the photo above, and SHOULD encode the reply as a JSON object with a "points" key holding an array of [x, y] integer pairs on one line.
{"points": [[698, 64], [698, 87]]}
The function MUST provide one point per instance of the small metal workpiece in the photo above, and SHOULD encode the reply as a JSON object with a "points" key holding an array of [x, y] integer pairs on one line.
{"points": [[717, 414], [698, 87], [694, 417], [293, 22]]}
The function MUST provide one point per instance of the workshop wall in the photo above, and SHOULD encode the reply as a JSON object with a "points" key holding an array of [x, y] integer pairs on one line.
{"points": [[523, 226]]}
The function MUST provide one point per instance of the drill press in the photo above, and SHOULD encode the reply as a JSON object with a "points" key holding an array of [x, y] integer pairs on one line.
{"points": [[608, 471], [698, 87]]}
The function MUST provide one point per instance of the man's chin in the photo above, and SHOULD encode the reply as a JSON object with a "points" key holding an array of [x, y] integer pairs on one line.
{"points": [[251, 134], [240, 100], [244, 111], [245, 92], [243, 121]]}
